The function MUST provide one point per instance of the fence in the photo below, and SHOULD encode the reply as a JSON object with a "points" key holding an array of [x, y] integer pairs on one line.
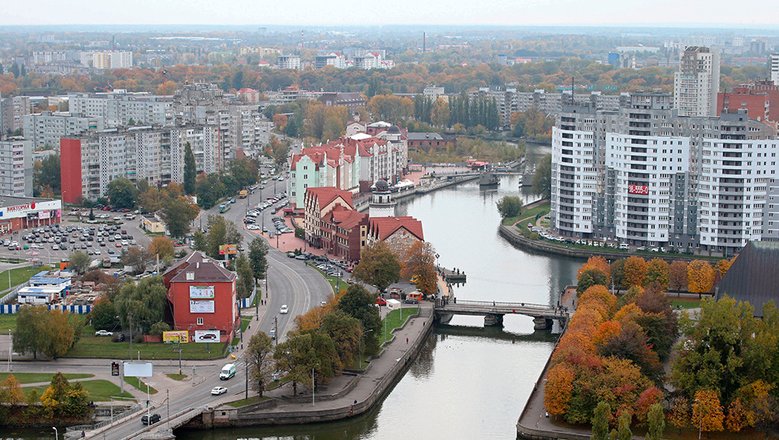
{"points": [[10, 309], [245, 303]]}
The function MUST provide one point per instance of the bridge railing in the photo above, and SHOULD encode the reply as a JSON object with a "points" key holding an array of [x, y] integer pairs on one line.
{"points": [[501, 304]]}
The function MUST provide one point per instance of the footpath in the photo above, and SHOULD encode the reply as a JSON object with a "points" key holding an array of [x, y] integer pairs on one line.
{"points": [[345, 396]]}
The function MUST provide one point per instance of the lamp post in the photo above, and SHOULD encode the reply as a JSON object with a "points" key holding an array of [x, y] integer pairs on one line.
{"points": [[56, 433], [10, 351], [313, 388]]}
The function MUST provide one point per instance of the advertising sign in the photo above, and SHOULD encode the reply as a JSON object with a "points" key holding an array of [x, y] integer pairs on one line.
{"points": [[228, 249], [203, 336], [201, 292], [638, 189], [181, 336], [30, 209], [201, 306], [138, 369]]}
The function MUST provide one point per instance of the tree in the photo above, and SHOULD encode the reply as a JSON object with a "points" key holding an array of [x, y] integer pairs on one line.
{"points": [[439, 114], [244, 171], [658, 273], [509, 206], [680, 412], [542, 179], [245, 282], [656, 422], [738, 418], [61, 399], [136, 258], [258, 251], [10, 391], [45, 331], [722, 268], [378, 266], [420, 268], [122, 193], [161, 247], [140, 305], [190, 170], [623, 427], [91, 214], [79, 261], [617, 271], [589, 278], [296, 356], [103, 315], [220, 232], [600, 421], [178, 214], [558, 389], [707, 411], [259, 354], [158, 328], [635, 271], [278, 150], [677, 276], [359, 303], [47, 175], [391, 108], [700, 277], [346, 333], [152, 199]]}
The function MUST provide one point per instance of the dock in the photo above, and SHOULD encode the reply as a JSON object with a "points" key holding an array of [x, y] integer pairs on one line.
{"points": [[452, 275]]}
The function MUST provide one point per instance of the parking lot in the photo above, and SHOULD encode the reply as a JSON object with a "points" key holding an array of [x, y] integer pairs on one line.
{"points": [[106, 236]]}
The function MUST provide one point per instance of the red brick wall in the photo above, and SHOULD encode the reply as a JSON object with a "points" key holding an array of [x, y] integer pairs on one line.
{"points": [[70, 170], [225, 307]]}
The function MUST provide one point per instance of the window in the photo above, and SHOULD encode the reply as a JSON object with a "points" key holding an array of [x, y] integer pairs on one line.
{"points": [[199, 321]]}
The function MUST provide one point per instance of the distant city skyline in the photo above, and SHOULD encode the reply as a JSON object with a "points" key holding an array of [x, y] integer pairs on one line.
{"points": [[692, 13]]}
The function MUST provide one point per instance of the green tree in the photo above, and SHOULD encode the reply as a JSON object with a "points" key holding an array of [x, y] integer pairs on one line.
{"points": [[46, 175], [210, 189], [245, 282], [140, 305], [259, 354], [297, 357], [542, 179], [220, 232], [178, 214], [258, 251], [509, 206], [244, 171], [122, 193], [658, 273], [623, 426], [190, 170], [656, 421], [440, 114], [378, 266], [158, 328], [359, 303], [79, 261], [278, 149], [136, 257], [103, 315], [43, 331], [589, 278], [600, 421], [346, 333]]}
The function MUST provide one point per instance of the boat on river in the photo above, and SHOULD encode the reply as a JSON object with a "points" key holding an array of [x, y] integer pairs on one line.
{"points": [[489, 180]]}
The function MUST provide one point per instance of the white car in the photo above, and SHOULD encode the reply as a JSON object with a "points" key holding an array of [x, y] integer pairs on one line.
{"points": [[284, 309], [215, 391], [253, 227], [103, 333]]}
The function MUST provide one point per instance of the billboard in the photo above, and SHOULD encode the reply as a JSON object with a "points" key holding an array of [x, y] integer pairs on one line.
{"points": [[203, 336], [201, 306], [181, 336], [138, 369], [638, 189], [228, 249], [201, 292]]}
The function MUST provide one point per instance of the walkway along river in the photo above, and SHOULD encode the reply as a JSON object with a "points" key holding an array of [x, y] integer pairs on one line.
{"points": [[475, 381]]}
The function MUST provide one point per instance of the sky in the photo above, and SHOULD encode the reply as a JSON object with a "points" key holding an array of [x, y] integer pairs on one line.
{"points": [[705, 13]]}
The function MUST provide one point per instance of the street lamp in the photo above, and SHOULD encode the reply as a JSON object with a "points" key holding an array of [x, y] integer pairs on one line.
{"points": [[56, 433]]}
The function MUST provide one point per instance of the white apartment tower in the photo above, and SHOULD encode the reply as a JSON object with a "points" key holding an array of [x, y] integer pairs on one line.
{"points": [[773, 67], [697, 82]]}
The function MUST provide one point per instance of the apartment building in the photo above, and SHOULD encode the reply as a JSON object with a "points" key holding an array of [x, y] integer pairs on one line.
{"points": [[696, 83], [121, 108], [291, 62], [648, 177], [16, 168], [773, 68], [12, 113], [45, 129]]}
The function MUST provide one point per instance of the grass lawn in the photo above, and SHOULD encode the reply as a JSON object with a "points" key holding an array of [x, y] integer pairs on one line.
{"points": [[529, 216], [19, 275], [685, 303], [393, 321], [249, 401], [99, 390], [139, 384], [90, 346], [7, 322], [24, 378], [176, 376]]}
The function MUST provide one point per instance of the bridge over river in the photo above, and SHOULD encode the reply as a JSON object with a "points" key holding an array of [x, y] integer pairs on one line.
{"points": [[544, 316]]}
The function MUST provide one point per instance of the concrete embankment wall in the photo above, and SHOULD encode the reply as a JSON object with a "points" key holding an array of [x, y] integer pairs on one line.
{"points": [[257, 415]]}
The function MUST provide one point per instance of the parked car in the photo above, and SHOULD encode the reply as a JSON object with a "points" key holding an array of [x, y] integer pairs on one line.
{"points": [[103, 333], [119, 337]]}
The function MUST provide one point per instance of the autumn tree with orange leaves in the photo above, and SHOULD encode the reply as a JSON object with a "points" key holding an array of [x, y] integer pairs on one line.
{"points": [[677, 276], [707, 411], [700, 277], [635, 271]]}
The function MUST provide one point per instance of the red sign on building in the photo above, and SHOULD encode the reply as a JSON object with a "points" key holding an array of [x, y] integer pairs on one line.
{"points": [[638, 189]]}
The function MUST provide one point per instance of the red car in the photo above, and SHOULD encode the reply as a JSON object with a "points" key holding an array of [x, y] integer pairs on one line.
{"points": [[381, 301]]}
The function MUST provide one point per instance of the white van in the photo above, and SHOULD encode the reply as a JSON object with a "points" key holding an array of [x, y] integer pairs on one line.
{"points": [[624, 246], [228, 371]]}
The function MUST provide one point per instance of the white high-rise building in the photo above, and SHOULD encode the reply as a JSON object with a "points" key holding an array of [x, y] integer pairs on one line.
{"points": [[291, 62], [773, 67], [697, 82], [16, 168]]}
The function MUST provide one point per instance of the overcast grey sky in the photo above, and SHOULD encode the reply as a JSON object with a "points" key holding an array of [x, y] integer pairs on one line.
{"points": [[371, 12]]}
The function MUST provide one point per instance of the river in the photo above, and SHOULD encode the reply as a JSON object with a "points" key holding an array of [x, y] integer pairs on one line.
{"points": [[468, 382]]}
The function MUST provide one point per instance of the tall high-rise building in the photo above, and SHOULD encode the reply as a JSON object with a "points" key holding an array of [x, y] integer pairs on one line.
{"points": [[697, 82], [16, 168], [773, 67]]}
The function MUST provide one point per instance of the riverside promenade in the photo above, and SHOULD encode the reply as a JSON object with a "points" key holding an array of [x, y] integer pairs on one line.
{"points": [[345, 396]]}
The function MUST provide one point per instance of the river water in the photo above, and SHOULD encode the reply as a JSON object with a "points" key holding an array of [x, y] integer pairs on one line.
{"points": [[468, 382]]}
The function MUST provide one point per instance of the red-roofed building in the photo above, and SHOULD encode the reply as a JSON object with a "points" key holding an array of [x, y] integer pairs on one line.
{"points": [[318, 203], [202, 296], [248, 95], [761, 100], [344, 233], [398, 232]]}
